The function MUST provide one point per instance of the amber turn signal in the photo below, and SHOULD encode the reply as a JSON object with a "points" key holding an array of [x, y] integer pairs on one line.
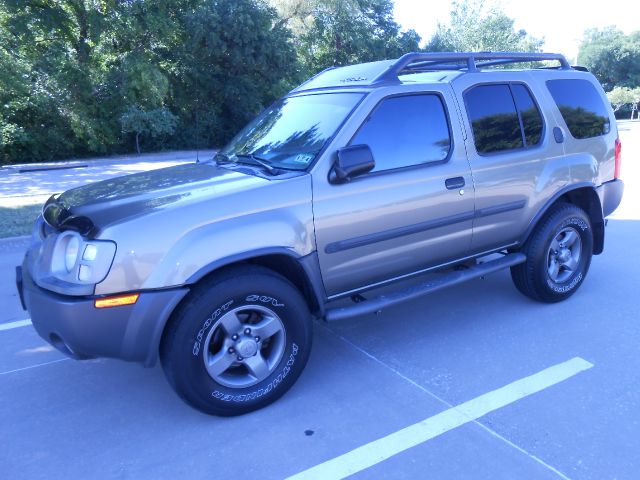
{"points": [[117, 301]]}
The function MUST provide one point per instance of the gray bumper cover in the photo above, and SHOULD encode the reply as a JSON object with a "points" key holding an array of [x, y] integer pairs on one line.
{"points": [[610, 194], [75, 327]]}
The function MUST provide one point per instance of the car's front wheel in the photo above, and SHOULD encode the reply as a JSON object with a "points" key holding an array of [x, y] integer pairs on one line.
{"points": [[239, 341]]}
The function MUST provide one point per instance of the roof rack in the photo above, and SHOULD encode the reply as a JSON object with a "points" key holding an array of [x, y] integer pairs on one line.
{"points": [[471, 62]]}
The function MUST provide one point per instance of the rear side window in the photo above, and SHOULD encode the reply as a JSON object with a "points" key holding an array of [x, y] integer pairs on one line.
{"points": [[529, 113], [406, 131], [581, 107], [503, 117]]}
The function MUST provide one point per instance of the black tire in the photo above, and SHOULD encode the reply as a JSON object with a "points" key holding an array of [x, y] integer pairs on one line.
{"points": [[554, 270], [251, 297]]}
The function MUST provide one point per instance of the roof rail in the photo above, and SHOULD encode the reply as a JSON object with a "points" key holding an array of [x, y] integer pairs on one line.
{"points": [[471, 62]]}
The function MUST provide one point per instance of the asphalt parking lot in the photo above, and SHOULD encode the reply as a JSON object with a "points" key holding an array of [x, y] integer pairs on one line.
{"points": [[475, 382]]}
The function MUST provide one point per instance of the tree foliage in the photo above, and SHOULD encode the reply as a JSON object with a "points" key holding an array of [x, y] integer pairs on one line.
{"points": [[83, 77], [341, 32], [80, 77], [474, 27], [153, 123], [622, 96], [612, 56]]}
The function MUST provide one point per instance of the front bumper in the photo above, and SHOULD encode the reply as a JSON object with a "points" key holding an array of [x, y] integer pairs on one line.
{"points": [[75, 327]]}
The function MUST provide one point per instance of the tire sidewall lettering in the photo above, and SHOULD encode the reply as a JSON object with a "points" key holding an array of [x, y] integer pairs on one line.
{"points": [[208, 323], [262, 391], [253, 298]]}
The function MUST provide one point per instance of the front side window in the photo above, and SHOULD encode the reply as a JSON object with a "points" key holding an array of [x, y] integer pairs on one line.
{"points": [[291, 132], [581, 107], [405, 131]]}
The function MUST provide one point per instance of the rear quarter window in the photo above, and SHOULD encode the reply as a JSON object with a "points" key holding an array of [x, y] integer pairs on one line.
{"points": [[581, 107]]}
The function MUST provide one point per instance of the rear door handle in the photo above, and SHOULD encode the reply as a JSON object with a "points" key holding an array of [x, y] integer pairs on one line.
{"points": [[454, 183]]}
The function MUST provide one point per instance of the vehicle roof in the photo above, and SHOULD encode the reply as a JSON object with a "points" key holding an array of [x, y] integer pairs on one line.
{"points": [[424, 68]]}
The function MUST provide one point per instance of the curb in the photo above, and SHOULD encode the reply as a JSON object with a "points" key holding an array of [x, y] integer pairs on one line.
{"points": [[96, 161]]}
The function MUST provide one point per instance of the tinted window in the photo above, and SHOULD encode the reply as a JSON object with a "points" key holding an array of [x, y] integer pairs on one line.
{"points": [[404, 131], [493, 118], [529, 113], [291, 132], [581, 106]]}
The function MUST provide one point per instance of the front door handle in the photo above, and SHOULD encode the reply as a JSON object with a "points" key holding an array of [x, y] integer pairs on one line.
{"points": [[454, 183]]}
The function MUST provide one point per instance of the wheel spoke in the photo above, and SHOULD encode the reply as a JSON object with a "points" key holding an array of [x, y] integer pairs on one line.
{"points": [[257, 366], [554, 269], [267, 327], [555, 245], [570, 238], [571, 264], [231, 323], [219, 363]]}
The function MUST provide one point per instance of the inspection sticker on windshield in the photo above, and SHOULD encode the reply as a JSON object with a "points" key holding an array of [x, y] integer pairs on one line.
{"points": [[303, 158]]}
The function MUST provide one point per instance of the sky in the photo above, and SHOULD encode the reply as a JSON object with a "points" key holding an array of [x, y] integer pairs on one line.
{"points": [[560, 22]]}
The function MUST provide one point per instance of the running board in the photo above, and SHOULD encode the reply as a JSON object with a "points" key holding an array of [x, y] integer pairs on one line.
{"points": [[454, 278]]}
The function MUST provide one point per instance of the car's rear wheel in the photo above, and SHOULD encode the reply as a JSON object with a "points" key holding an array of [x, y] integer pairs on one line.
{"points": [[238, 342], [558, 254]]}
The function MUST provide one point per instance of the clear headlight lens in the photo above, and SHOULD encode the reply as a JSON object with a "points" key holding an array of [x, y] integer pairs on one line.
{"points": [[79, 260], [71, 252]]}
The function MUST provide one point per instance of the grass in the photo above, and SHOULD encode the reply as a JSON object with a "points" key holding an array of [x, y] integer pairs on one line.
{"points": [[17, 221]]}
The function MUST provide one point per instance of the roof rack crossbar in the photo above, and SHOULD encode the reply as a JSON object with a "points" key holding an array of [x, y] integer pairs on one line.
{"points": [[473, 60]]}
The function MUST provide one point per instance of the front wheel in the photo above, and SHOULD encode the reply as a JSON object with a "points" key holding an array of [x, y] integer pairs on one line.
{"points": [[238, 343], [558, 254]]}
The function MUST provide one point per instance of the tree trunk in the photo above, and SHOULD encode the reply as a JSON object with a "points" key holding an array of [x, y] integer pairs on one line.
{"points": [[138, 142]]}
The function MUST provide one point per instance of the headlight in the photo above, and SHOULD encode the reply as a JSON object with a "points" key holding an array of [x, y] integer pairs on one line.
{"points": [[81, 261], [71, 252]]}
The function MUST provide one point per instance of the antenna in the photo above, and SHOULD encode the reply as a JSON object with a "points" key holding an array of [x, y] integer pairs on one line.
{"points": [[197, 120]]}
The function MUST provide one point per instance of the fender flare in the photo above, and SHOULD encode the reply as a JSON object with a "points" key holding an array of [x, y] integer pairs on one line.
{"points": [[309, 266], [593, 211]]}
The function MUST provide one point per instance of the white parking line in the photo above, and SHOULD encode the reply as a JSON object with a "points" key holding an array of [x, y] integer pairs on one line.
{"points": [[16, 324], [379, 450], [35, 366]]}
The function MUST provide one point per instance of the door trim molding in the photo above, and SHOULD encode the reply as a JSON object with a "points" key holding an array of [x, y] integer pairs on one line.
{"points": [[361, 241]]}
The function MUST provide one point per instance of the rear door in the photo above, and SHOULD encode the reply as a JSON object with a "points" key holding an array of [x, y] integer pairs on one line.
{"points": [[516, 162], [413, 211]]}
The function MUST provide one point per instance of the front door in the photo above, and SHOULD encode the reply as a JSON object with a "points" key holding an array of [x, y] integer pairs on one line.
{"points": [[413, 211]]}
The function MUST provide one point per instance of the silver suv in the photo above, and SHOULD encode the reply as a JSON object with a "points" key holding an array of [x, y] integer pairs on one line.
{"points": [[362, 176]]}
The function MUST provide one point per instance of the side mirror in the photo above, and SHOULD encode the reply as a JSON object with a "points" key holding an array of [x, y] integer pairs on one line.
{"points": [[352, 161]]}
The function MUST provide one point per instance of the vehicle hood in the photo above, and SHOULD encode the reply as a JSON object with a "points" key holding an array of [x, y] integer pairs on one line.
{"points": [[93, 207]]}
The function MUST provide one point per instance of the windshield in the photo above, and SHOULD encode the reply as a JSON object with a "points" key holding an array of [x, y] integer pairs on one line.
{"points": [[291, 132]]}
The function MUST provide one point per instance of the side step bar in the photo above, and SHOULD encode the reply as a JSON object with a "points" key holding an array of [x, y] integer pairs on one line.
{"points": [[454, 278]]}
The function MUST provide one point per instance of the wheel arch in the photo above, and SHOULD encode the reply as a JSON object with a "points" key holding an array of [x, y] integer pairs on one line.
{"points": [[584, 196], [302, 272]]}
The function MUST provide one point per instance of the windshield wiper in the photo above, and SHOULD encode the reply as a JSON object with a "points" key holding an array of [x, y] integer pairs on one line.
{"points": [[260, 161], [221, 157]]}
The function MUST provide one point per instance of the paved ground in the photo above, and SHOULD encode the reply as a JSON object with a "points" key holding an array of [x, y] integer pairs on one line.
{"points": [[34, 183], [367, 378]]}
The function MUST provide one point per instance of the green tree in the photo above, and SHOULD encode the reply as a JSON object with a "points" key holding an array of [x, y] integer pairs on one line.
{"points": [[154, 123], [59, 48], [343, 32], [620, 96], [237, 57], [612, 56], [624, 98], [474, 27], [80, 77]]}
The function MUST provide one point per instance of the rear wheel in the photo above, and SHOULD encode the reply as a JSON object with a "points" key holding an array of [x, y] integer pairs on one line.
{"points": [[558, 254], [238, 343]]}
